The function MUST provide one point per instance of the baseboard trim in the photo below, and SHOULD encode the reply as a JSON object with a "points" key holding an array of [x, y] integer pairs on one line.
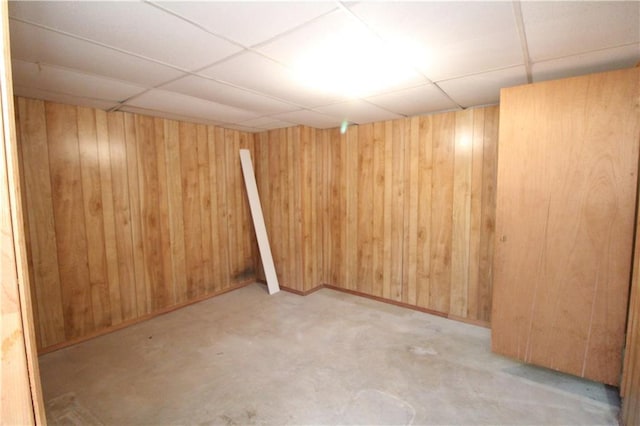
{"points": [[479, 323]]}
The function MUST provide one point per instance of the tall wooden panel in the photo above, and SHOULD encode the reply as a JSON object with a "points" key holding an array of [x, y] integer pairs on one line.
{"points": [[567, 177], [20, 391]]}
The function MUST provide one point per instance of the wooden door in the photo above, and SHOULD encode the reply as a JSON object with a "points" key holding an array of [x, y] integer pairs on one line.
{"points": [[567, 176]]}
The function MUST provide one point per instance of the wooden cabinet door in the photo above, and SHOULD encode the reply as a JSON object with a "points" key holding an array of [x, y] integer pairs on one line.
{"points": [[567, 178]]}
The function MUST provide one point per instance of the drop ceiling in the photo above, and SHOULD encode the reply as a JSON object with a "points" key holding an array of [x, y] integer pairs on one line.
{"points": [[234, 64]]}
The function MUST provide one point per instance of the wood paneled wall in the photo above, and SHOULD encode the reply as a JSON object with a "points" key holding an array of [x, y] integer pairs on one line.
{"points": [[412, 212], [128, 215], [290, 172], [402, 210]]}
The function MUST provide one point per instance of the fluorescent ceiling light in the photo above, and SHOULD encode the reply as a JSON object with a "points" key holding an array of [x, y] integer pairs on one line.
{"points": [[356, 63]]}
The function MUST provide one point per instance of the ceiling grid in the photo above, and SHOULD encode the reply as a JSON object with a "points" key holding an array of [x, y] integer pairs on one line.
{"points": [[237, 64]]}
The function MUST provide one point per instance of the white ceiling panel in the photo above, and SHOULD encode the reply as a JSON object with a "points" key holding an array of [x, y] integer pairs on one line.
{"points": [[258, 73], [357, 111], [38, 45], [249, 23], [482, 89], [189, 106], [312, 63], [168, 115], [224, 94], [34, 93], [132, 26], [586, 63], [287, 49], [70, 82], [556, 29], [414, 101], [448, 39], [309, 118]]}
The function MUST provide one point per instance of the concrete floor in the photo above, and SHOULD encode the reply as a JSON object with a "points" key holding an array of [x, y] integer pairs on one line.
{"points": [[328, 358]]}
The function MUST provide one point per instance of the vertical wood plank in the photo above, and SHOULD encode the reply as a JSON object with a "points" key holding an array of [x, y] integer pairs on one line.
{"points": [[165, 290], [475, 224], [205, 207], [397, 209], [488, 213], [423, 255], [149, 210], [410, 250], [66, 190], [109, 219], [191, 209], [441, 213], [351, 165], [223, 206], [389, 195], [245, 230], [93, 217], [378, 210], [295, 218], [122, 215], [216, 256], [364, 189], [42, 233], [176, 210], [463, 153], [133, 170]]}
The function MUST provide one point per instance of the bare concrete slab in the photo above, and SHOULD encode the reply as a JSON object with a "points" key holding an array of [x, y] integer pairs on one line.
{"points": [[329, 358]]}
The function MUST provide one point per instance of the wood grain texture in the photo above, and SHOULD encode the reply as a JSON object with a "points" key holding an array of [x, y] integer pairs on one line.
{"points": [[356, 210], [565, 218], [16, 402], [393, 204], [128, 216], [288, 173], [21, 399]]}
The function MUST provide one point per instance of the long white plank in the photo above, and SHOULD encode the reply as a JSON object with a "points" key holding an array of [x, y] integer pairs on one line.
{"points": [[258, 222]]}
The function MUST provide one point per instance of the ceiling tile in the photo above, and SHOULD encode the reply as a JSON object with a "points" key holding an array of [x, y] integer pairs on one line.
{"points": [[175, 103], [249, 23], [357, 111], [132, 26], [309, 118], [168, 115], [447, 39], [224, 94], [414, 101], [586, 63], [34, 44], [556, 29], [34, 93], [70, 82], [260, 74], [483, 89]]}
